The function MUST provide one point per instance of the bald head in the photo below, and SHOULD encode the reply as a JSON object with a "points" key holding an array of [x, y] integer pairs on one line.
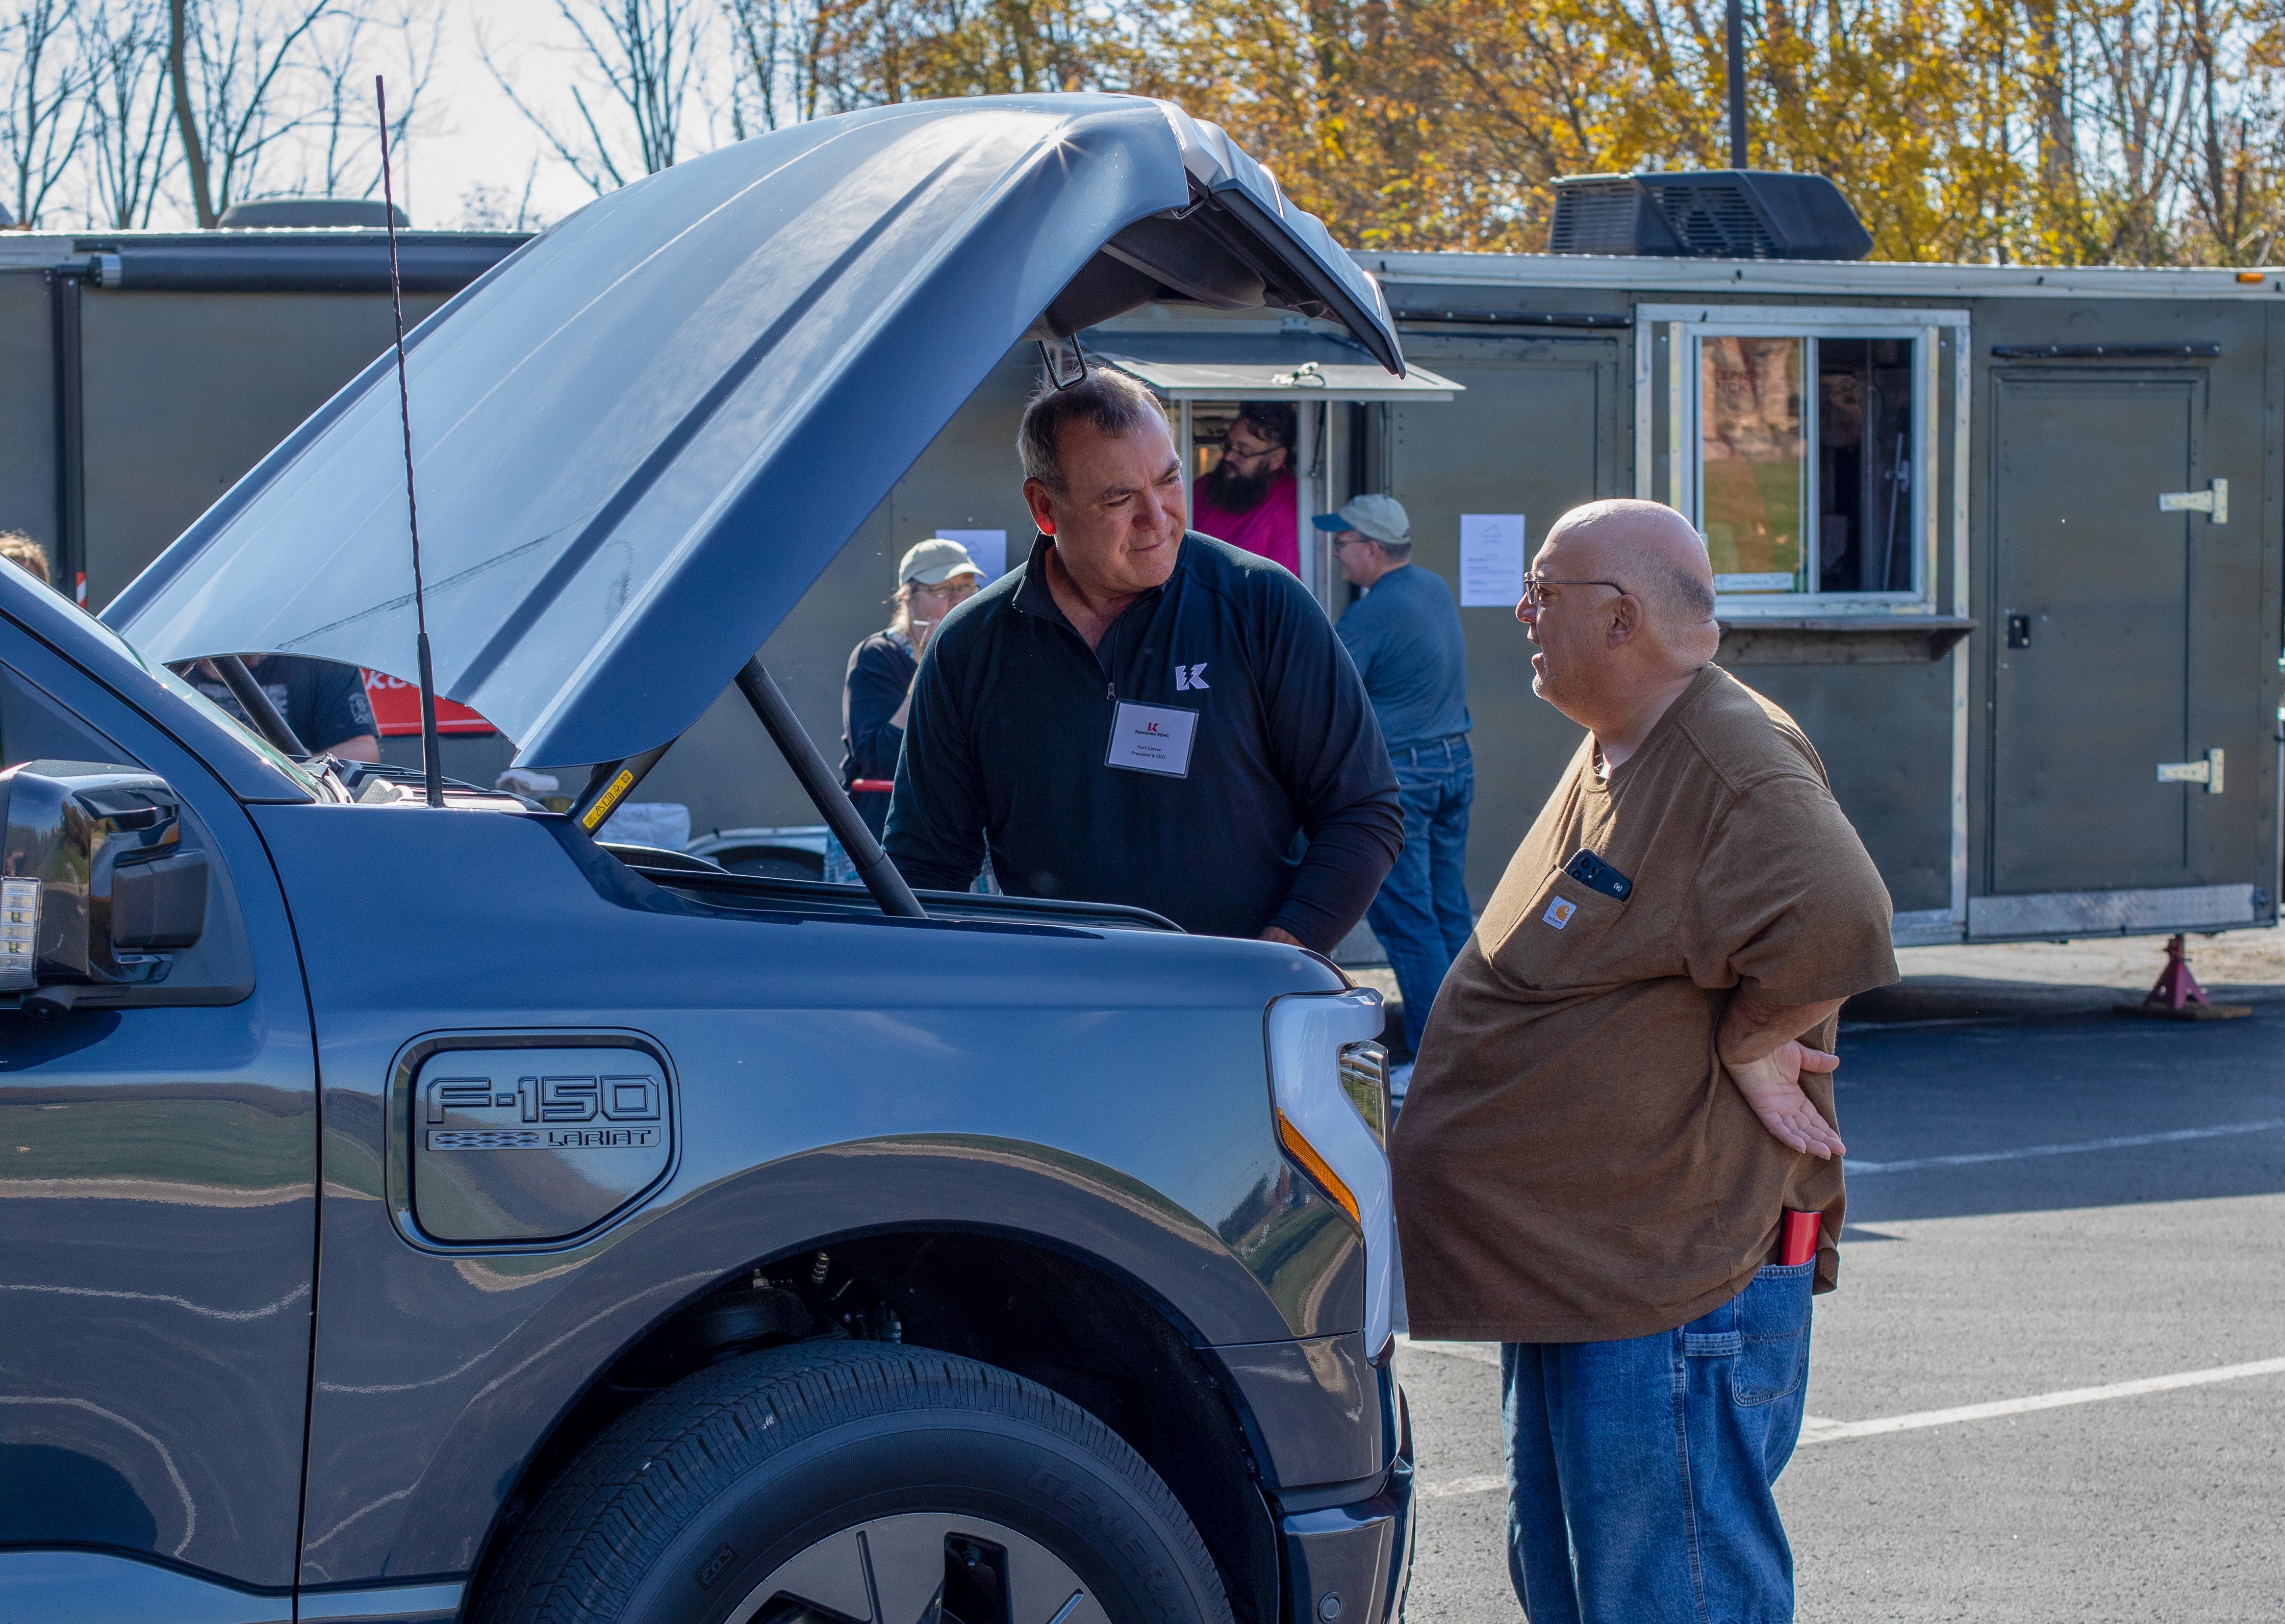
{"points": [[1654, 551], [1625, 615]]}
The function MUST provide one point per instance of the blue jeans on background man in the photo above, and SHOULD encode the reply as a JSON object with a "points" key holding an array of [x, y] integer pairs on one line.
{"points": [[1421, 914], [1640, 1471]]}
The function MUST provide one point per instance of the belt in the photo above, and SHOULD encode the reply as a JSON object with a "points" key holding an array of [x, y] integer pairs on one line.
{"points": [[1410, 754]]}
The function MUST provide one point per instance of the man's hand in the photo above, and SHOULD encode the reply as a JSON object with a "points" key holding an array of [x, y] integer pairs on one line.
{"points": [[1759, 1046], [1275, 935], [1773, 1087]]}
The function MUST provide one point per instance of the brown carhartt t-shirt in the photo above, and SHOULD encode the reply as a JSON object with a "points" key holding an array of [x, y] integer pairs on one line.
{"points": [[1572, 1163]]}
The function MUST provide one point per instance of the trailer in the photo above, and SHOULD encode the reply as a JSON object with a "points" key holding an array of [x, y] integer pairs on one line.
{"points": [[2005, 540]]}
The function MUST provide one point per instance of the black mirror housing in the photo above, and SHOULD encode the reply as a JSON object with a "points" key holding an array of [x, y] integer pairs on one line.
{"points": [[93, 879]]}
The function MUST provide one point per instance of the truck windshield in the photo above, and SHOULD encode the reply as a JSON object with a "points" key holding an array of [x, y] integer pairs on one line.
{"points": [[237, 730]]}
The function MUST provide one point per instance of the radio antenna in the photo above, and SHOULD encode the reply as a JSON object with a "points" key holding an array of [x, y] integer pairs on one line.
{"points": [[431, 768]]}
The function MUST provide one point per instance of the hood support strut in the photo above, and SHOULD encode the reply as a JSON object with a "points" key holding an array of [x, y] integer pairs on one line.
{"points": [[609, 782], [256, 699], [825, 791]]}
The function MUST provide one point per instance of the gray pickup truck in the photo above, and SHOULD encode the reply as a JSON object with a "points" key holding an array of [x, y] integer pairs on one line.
{"points": [[416, 1213]]}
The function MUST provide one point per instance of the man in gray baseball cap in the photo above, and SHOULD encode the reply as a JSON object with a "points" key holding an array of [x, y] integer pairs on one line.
{"points": [[1404, 637]]}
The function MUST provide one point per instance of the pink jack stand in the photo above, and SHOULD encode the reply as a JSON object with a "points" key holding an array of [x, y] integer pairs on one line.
{"points": [[2178, 996]]}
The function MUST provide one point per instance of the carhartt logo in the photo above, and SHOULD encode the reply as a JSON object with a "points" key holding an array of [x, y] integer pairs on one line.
{"points": [[1188, 677], [1558, 913]]}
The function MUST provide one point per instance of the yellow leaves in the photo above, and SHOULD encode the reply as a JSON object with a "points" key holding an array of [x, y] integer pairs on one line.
{"points": [[2062, 131], [2067, 131]]}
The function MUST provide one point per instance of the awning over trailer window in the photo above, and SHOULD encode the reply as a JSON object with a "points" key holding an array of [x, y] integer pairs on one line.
{"points": [[1260, 367]]}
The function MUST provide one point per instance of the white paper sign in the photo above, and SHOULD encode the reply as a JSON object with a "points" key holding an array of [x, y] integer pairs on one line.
{"points": [[1151, 739], [1491, 560], [988, 548]]}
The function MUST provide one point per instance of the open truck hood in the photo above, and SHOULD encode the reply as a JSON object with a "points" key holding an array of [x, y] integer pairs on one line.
{"points": [[641, 437]]}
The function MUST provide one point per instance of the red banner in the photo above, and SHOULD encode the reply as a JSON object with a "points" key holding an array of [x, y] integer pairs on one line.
{"points": [[397, 707]]}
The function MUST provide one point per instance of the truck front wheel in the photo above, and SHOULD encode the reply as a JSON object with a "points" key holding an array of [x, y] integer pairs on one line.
{"points": [[855, 1483]]}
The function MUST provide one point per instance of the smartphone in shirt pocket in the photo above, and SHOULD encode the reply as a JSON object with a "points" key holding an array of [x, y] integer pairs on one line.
{"points": [[1564, 939]]}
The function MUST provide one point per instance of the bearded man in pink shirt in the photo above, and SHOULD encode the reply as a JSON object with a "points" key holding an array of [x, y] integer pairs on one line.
{"points": [[1251, 499]]}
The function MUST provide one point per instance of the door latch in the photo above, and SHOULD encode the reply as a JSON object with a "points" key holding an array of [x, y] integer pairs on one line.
{"points": [[2213, 500], [2206, 772]]}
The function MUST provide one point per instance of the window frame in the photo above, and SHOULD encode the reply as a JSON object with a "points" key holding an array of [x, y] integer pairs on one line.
{"points": [[1668, 447]]}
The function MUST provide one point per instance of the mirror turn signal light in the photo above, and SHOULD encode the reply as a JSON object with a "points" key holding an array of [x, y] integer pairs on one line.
{"points": [[1318, 1169]]}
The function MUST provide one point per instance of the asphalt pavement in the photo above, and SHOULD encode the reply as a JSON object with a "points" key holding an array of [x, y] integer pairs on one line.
{"points": [[2072, 1228]]}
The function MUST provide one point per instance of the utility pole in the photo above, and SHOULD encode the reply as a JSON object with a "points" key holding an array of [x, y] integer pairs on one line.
{"points": [[1736, 32]]}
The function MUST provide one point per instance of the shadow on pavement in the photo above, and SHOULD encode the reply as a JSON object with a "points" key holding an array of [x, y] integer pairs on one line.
{"points": [[1907, 1094]]}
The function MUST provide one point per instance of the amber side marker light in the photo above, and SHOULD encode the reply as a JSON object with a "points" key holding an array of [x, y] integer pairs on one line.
{"points": [[1302, 1151], [2249, 276]]}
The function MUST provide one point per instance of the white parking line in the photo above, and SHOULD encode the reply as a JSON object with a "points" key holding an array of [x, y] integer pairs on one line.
{"points": [[1817, 1429], [1453, 1487], [2127, 1142], [1474, 1352]]}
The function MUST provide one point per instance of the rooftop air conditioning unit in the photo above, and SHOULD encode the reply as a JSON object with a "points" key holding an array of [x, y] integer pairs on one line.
{"points": [[1715, 214], [303, 214]]}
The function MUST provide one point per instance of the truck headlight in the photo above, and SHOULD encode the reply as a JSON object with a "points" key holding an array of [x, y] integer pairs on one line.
{"points": [[1328, 1084]]}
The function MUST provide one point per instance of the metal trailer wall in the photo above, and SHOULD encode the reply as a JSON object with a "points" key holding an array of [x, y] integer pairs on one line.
{"points": [[2004, 791], [174, 394]]}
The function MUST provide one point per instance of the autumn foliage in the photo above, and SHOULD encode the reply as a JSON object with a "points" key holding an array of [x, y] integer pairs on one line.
{"points": [[2066, 131]]}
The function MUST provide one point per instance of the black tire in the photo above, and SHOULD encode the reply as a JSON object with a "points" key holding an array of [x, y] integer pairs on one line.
{"points": [[681, 1509]]}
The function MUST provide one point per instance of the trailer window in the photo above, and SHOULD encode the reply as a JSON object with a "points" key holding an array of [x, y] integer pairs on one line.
{"points": [[1752, 476], [1778, 516], [1864, 465], [1798, 440]]}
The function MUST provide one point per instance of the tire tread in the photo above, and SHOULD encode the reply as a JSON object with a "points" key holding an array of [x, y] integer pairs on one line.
{"points": [[613, 1511]]}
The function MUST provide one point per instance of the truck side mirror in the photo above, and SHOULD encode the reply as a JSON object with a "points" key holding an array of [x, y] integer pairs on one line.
{"points": [[94, 882]]}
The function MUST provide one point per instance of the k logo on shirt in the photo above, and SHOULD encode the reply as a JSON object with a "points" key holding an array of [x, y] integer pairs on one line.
{"points": [[1188, 677]]}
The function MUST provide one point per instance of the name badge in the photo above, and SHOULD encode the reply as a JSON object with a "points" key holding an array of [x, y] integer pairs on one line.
{"points": [[1152, 739]]}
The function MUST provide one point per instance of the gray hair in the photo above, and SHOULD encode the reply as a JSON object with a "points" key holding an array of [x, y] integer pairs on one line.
{"points": [[1108, 401], [1681, 592]]}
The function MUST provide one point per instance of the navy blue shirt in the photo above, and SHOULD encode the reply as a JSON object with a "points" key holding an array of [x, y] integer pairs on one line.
{"points": [[880, 669], [323, 701], [1012, 726], [1404, 636]]}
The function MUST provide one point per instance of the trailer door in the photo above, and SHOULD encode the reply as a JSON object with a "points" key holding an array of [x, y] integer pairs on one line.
{"points": [[2096, 589]]}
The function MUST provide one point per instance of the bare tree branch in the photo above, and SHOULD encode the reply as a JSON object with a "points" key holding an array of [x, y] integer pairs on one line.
{"points": [[122, 46], [43, 115], [645, 54]]}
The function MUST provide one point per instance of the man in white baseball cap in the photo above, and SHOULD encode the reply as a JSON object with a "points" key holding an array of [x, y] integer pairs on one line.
{"points": [[1404, 637]]}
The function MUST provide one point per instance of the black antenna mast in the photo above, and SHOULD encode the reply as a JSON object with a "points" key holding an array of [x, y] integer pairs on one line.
{"points": [[432, 768]]}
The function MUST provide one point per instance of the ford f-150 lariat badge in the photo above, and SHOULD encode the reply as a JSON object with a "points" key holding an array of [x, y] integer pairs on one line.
{"points": [[523, 1144], [617, 1105]]}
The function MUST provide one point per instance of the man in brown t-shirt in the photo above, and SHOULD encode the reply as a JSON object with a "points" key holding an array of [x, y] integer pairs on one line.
{"points": [[1613, 1105]]}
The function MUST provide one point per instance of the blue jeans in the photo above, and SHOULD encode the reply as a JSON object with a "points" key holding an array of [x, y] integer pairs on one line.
{"points": [[1640, 1471], [1421, 914]]}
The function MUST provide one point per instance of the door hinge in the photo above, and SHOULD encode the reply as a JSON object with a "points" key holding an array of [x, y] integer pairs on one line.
{"points": [[2206, 772], [2214, 500]]}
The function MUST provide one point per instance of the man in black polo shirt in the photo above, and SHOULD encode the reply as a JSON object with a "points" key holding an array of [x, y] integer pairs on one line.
{"points": [[1142, 714]]}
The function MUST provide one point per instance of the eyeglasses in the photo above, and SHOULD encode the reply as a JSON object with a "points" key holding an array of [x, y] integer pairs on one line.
{"points": [[1230, 453], [1535, 586], [960, 587]]}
